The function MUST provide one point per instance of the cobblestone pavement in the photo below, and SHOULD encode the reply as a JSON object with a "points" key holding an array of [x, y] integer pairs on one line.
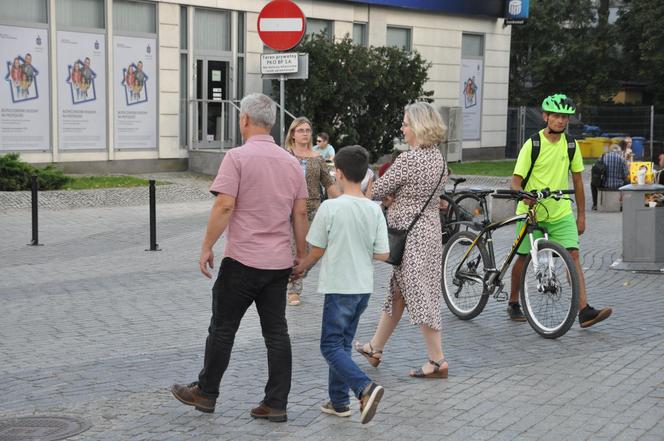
{"points": [[96, 327]]}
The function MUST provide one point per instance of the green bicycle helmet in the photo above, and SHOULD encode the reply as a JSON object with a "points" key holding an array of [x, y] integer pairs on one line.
{"points": [[559, 103]]}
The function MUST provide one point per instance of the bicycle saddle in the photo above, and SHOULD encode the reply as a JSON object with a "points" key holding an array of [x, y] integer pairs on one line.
{"points": [[458, 180]]}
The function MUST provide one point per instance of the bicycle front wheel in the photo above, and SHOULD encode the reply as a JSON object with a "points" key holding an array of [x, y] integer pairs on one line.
{"points": [[463, 287], [550, 290]]}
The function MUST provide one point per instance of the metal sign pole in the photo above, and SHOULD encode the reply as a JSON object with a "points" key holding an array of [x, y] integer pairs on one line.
{"points": [[282, 99]]}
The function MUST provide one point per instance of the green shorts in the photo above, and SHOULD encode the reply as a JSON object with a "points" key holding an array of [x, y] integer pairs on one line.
{"points": [[563, 231]]}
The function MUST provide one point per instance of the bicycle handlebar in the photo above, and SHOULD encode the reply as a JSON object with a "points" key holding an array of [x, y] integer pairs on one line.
{"points": [[533, 194]]}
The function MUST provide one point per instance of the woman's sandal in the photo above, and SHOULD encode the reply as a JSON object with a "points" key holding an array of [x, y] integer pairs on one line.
{"points": [[438, 370], [293, 299], [370, 355]]}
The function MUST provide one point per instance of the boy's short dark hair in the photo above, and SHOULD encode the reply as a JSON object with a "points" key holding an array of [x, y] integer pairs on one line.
{"points": [[353, 161], [324, 136]]}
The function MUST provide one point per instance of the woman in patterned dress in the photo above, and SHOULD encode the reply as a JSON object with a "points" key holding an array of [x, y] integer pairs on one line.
{"points": [[415, 284], [299, 144]]}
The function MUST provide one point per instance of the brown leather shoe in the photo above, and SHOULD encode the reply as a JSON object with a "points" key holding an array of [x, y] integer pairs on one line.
{"points": [[191, 396], [266, 412]]}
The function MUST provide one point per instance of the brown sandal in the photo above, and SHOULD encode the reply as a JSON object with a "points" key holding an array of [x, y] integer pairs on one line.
{"points": [[438, 370], [370, 355]]}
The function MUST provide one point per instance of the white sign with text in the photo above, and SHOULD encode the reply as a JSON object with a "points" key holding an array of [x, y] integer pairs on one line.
{"points": [[279, 63]]}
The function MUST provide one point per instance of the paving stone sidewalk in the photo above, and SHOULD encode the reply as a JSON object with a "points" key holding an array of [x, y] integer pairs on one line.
{"points": [[96, 327]]}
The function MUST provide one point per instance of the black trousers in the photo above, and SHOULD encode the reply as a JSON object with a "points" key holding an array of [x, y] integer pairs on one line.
{"points": [[236, 288], [593, 192]]}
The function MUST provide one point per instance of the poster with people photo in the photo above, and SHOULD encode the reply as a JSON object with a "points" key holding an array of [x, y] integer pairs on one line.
{"points": [[24, 92], [81, 79], [134, 91], [134, 80], [82, 90], [23, 76]]}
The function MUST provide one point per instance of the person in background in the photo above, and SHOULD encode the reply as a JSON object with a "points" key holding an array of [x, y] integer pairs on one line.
{"points": [[626, 146], [298, 143], [366, 186], [260, 192], [617, 171], [323, 146], [399, 149], [347, 232], [659, 179]]}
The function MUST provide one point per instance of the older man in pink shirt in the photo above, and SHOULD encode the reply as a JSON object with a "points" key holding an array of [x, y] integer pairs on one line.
{"points": [[260, 191]]}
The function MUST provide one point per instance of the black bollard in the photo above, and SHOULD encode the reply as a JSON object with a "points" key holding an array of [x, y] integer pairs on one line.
{"points": [[153, 218], [34, 185]]}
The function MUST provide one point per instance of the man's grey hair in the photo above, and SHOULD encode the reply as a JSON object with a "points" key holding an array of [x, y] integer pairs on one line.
{"points": [[260, 108]]}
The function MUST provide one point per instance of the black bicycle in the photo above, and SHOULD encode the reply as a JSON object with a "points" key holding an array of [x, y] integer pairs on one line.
{"points": [[462, 206], [549, 285]]}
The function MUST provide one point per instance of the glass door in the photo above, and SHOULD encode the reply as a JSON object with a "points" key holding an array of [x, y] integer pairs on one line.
{"points": [[212, 107]]}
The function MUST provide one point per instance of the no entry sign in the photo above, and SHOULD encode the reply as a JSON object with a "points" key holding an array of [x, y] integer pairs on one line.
{"points": [[281, 25]]}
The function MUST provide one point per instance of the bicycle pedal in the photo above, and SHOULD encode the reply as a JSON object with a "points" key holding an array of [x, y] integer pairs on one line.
{"points": [[501, 295]]}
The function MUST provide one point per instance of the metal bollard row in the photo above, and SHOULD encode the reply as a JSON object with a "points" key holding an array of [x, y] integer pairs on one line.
{"points": [[154, 246]]}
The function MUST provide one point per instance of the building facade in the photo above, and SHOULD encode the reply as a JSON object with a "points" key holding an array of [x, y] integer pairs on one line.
{"points": [[102, 84]]}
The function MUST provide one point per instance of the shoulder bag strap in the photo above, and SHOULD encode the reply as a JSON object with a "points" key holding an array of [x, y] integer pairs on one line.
{"points": [[417, 217]]}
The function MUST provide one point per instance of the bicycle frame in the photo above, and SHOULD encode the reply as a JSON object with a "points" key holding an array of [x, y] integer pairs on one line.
{"points": [[493, 274]]}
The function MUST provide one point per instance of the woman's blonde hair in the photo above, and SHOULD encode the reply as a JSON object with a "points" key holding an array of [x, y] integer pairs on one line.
{"points": [[426, 123], [290, 137]]}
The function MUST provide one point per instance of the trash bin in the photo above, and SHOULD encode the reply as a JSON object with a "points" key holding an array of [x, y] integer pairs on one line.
{"points": [[586, 147], [637, 146], [642, 229], [600, 146]]}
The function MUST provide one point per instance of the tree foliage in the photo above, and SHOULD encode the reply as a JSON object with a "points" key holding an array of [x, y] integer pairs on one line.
{"points": [[357, 94], [566, 46], [641, 28]]}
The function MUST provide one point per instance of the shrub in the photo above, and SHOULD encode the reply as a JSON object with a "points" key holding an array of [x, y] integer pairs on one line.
{"points": [[15, 175], [51, 178]]}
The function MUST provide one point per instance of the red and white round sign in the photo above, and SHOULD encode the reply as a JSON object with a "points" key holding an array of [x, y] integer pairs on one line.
{"points": [[281, 25]]}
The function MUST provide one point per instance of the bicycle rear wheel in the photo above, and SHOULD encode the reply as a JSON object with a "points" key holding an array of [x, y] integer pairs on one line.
{"points": [[550, 292], [463, 289], [470, 208], [448, 215]]}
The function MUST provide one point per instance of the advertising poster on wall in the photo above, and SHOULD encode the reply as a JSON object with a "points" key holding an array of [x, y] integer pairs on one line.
{"points": [[81, 90], [24, 89], [135, 90], [470, 97]]}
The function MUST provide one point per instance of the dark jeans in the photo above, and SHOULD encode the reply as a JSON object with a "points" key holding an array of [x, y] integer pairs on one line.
{"points": [[236, 288], [341, 314]]}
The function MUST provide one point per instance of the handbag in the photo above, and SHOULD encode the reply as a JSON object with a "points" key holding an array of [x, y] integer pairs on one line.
{"points": [[397, 238]]}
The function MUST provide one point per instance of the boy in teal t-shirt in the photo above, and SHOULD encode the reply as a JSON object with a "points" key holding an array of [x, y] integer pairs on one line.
{"points": [[347, 232]]}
